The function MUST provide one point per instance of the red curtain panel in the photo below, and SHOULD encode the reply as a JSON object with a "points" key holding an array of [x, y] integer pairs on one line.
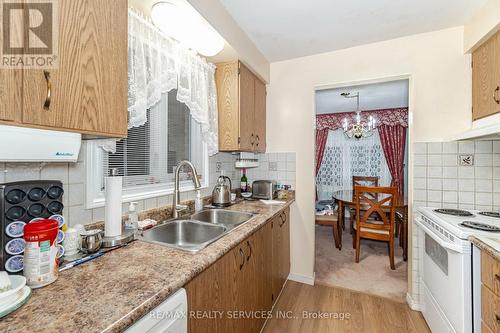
{"points": [[321, 137], [393, 141]]}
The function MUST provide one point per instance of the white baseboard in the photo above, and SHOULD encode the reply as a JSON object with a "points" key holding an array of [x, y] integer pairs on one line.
{"points": [[302, 278], [412, 303]]}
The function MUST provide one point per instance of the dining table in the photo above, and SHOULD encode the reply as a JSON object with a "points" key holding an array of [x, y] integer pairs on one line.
{"points": [[345, 200]]}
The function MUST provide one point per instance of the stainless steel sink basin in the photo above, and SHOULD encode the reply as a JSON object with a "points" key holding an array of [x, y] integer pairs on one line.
{"points": [[228, 218], [188, 235]]}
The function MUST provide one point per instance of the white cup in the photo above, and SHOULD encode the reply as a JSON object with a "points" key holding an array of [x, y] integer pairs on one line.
{"points": [[71, 242], [233, 196]]}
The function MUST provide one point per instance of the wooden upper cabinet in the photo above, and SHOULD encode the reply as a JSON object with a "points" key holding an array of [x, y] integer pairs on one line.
{"points": [[241, 98], [11, 82], [89, 88], [247, 109], [486, 78], [260, 116]]}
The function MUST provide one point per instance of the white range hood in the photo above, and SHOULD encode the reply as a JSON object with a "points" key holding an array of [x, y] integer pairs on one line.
{"points": [[22, 144], [483, 129]]}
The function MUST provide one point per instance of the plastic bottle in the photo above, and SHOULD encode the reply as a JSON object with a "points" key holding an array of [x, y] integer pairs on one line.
{"points": [[133, 218], [198, 202]]}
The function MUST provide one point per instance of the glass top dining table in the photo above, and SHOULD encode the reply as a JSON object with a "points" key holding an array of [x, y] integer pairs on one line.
{"points": [[345, 199]]}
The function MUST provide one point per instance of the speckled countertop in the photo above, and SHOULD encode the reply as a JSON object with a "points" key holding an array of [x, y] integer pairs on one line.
{"points": [[109, 293], [490, 244]]}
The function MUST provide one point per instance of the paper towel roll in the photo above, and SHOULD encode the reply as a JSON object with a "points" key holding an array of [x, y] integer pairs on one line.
{"points": [[113, 208]]}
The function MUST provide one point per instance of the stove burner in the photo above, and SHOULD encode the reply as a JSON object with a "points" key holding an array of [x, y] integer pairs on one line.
{"points": [[490, 214], [480, 226], [455, 212]]}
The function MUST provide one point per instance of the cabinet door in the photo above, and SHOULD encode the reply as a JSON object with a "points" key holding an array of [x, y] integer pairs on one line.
{"points": [[217, 291], [285, 236], [260, 116], [496, 69], [276, 256], [227, 81], [258, 276], [11, 81], [89, 88], [247, 106], [484, 80]]}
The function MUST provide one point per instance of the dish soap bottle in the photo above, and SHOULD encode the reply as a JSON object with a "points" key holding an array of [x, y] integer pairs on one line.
{"points": [[244, 182], [133, 217], [198, 203]]}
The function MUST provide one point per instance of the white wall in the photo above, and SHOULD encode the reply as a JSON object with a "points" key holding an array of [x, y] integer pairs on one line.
{"points": [[482, 25], [440, 101]]}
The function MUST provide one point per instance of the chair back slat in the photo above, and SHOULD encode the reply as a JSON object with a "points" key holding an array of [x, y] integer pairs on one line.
{"points": [[375, 202]]}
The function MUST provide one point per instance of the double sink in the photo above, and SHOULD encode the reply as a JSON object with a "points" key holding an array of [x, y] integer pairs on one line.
{"points": [[196, 232]]}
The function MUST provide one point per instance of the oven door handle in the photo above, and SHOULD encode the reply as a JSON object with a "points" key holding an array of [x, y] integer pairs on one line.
{"points": [[443, 243]]}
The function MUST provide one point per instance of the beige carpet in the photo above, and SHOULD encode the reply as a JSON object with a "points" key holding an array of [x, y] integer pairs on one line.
{"points": [[371, 275]]}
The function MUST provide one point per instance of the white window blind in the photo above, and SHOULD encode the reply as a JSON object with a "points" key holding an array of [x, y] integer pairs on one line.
{"points": [[148, 156]]}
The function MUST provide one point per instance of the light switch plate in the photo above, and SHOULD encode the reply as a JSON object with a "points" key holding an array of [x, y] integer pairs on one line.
{"points": [[218, 166], [273, 166], [466, 160]]}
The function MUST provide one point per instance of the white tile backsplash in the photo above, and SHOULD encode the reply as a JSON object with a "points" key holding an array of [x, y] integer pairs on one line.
{"points": [[73, 176], [439, 181]]}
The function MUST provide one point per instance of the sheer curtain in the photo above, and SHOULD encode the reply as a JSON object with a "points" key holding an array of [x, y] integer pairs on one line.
{"points": [[344, 158], [158, 64]]}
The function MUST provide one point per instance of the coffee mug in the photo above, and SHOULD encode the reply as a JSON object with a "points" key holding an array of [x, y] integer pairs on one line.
{"points": [[71, 242]]}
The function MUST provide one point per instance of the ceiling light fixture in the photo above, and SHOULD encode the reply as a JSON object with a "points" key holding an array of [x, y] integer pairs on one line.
{"points": [[358, 130], [180, 21]]}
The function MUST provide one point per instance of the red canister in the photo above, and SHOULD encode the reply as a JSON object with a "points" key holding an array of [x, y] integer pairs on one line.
{"points": [[40, 255]]}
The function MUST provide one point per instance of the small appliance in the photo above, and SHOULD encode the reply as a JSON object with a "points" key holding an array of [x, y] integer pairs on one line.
{"points": [[221, 195], [264, 189]]}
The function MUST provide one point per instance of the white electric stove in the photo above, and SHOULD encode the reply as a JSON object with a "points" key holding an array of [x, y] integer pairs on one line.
{"points": [[447, 266]]}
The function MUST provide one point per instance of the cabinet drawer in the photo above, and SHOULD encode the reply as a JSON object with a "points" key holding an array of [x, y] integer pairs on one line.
{"points": [[490, 272], [490, 309]]}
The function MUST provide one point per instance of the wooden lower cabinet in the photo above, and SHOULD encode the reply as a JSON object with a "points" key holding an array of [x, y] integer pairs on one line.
{"points": [[281, 252], [490, 293], [237, 291]]}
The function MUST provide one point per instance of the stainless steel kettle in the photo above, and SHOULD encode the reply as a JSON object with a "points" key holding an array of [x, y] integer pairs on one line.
{"points": [[221, 195]]}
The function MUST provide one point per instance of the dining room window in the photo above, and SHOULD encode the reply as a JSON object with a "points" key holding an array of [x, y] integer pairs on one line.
{"points": [[344, 158]]}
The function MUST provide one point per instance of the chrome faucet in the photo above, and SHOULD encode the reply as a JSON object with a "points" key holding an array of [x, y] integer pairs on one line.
{"points": [[176, 207]]}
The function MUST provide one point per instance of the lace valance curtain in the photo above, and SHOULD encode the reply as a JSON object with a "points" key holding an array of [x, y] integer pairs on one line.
{"points": [[158, 64]]}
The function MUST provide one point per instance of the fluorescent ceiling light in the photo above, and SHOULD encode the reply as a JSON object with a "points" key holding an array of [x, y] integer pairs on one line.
{"points": [[179, 20]]}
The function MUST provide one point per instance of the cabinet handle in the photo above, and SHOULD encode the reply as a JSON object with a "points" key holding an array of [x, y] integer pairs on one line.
{"points": [[46, 104], [258, 140], [252, 141], [498, 319], [497, 277], [242, 255], [250, 247], [495, 95], [283, 218]]}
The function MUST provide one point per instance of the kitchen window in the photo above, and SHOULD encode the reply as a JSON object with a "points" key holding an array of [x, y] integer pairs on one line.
{"points": [[148, 156]]}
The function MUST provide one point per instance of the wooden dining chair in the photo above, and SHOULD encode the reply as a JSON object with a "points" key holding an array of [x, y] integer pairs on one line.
{"points": [[360, 181], [375, 217]]}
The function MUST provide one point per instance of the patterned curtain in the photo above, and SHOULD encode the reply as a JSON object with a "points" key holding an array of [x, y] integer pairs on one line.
{"points": [[393, 140], [391, 117], [344, 158], [321, 137]]}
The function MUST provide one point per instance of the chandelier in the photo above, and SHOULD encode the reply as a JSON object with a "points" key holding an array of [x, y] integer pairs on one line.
{"points": [[359, 129]]}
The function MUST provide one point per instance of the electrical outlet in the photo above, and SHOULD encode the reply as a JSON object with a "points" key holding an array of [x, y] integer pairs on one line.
{"points": [[218, 166], [273, 166]]}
